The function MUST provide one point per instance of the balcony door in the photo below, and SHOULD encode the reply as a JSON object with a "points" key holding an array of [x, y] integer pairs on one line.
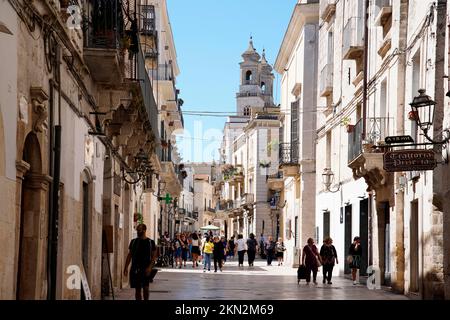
{"points": [[295, 127]]}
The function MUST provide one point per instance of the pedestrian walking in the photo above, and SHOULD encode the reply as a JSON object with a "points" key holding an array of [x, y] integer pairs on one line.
{"points": [[311, 259], [207, 249], [142, 255], [177, 246], [252, 246], [279, 251], [270, 250], [195, 249], [240, 248], [354, 257], [184, 249], [329, 257], [225, 249], [218, 253], [262, 246], [231, 246]]}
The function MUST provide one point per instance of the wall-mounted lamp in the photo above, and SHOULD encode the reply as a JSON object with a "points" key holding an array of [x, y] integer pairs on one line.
{"points": [[422, 109], [327, 180], [141, 169]]}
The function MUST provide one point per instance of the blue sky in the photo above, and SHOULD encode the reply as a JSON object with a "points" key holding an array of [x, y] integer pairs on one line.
{"points": [[210, 36]]}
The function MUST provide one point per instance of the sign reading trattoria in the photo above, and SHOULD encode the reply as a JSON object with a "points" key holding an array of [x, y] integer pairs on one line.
{"points": [[409, 160]]}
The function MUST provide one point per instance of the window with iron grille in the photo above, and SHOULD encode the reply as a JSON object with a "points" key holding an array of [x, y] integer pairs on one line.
{"points": [[148, 18]]}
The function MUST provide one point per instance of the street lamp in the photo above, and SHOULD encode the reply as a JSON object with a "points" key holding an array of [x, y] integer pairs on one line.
{"points": [[422, 109], [328, 179], [141, 168]]}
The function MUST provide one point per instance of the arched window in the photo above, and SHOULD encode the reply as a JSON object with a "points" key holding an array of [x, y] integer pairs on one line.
{"points": [[248, 76], [263, 87], [247, 111]]}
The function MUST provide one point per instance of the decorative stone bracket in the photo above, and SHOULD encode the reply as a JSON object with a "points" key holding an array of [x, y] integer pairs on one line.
{"points": [[39, 106], [370, 167]]}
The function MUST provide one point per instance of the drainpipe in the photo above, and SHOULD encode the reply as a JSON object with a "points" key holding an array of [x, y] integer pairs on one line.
{"points": [[55, 163]]}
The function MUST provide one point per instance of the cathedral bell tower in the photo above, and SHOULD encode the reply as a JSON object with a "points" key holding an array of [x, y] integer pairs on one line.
{"points": [[256, 87]]}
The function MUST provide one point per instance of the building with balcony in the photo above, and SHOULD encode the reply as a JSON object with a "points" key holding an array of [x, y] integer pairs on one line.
{"points": [[249, 151], [82, 143], [297, 63], [398, 215]]}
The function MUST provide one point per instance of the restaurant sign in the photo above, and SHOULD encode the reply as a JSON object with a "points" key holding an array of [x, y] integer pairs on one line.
{"points": [[409, 160]]}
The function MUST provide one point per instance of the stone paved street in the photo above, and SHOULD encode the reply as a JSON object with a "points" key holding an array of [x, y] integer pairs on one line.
{"points": [[258, 283]]}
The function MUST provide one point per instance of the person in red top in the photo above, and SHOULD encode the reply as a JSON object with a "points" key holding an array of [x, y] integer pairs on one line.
{"points": [[311, 259]]}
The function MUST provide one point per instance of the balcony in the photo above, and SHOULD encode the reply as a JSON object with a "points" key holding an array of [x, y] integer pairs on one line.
{"points": [[234, 175], [103, 35], [247, 200], [385, 13], [211, 210], [353, 45], [148, 25], [275, 182], [289, 159], [327, 9], [148, 98], [165, 76], [326, 80], [170, 176], [377, 130]]}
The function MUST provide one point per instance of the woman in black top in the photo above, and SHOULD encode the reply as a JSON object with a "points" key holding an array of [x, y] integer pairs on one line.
{"points": [[354, 257], [328, 254], [218, 253], [252, 245]]}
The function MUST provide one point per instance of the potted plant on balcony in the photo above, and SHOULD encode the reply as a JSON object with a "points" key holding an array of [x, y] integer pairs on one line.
{"points": [[228, 171], [164, 144], [346, 123], [413, 115]]}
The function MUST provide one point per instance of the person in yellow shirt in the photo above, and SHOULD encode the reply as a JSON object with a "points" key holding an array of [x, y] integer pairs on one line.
{"points": [[208, 247]]}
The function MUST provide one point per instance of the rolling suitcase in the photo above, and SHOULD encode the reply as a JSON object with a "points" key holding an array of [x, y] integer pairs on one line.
{"points": [[301, 273]]}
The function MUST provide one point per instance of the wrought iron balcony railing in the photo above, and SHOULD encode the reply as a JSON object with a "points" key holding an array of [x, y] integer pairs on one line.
{"points": [[377, 130], [104, 26], [147, 93], [288, 154]]}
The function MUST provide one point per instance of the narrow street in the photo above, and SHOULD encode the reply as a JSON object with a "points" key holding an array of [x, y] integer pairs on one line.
{"points": [[260, 282]]}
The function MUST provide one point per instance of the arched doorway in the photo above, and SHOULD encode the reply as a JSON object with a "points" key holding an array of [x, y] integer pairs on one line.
{"points": [[32, 255], [86, 227]]}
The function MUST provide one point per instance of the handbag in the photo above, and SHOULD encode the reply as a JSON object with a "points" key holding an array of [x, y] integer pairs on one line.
{"points": [[319, 264], [349, 259]]}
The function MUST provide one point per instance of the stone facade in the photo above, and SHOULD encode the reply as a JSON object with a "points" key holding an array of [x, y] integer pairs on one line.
{"points": [[88, 201]]}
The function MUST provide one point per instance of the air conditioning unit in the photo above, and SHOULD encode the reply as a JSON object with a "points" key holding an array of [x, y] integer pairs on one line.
{"points": [[296, 254]]}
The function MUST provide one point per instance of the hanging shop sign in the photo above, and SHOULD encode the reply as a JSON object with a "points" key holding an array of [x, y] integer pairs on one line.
{"points": [[409, 160], [398, 139]]}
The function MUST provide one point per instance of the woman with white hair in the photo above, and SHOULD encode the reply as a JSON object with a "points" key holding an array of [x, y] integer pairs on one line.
{"points": [[280, 249]]}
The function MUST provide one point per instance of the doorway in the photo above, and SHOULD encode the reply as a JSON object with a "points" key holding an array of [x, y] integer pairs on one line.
{"points": [[348, 235], [364, 234], [326, 224], [31, 273], [414, 247]]}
